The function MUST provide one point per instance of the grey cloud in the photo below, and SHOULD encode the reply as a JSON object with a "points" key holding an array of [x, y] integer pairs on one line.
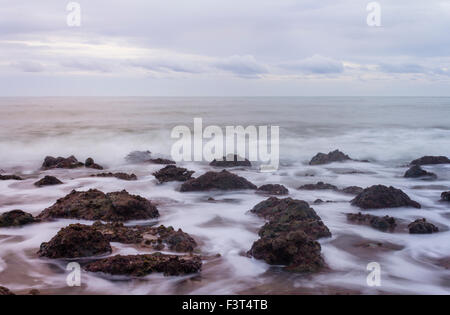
{"points": [[28, 66], [245, 66], [91, 66], [315, 65], [402, 68]]}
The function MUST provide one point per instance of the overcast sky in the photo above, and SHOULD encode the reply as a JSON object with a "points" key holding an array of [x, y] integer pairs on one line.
{"points": [[225, 48]]}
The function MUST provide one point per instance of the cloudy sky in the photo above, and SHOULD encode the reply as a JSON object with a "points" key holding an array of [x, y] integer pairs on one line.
{"points": [[224, 48]]}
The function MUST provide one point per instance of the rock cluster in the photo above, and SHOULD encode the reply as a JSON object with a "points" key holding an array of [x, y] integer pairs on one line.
{"points": [[384, 224], [122, 176]]}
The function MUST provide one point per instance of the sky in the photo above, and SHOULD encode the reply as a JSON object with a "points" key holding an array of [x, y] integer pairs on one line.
{"points": [[225, 48]]}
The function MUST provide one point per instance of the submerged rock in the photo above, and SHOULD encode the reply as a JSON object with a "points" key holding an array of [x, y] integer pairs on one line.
{"points": [[430, 160], [385, 223], [445, 196], [5, 291], [122, 176], [142, 265], [136, 157], [162, 161], [48, 181], [217, 180], [318, 186], [16, 218], [231, 161], [334, 156], [90, 163], [379, 196], [95, 205], [277, 190], [60, 162], [172, 173], [352, 190], [417, 172], [10, 177], [76, 241], [421, 226]]}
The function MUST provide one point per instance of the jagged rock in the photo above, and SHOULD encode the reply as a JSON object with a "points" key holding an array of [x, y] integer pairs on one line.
{"points": [[95, 205], [231, 161], [430, 160], [417, 172], [60, 162], [172, 173], [90, 163], [48, 181], [315, 229], [162, 161], [16, 218], [142, 265], [122, 176], [318, 186], [277, 190], [445, 196], [380, 223], [136, 157], [421, 226], [5, 291], [286, 209], [76, 241], [334, 156], [10, 177], [379, 196], [157, 237], [352, 190], [212, 180]]}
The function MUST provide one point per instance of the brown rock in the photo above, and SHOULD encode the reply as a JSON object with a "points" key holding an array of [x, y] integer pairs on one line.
{"points": [[334, 156], [122, 176], [90, 163], [421, 226], [385, 223], [10, 177], [318, 186], [60, 162], [172, 173], [379, 196], [212, 180], [276, 190], [352, 190], [430, 160], [16, 218], [5, 291], [417, 172], [231, 161], [48, 181]]}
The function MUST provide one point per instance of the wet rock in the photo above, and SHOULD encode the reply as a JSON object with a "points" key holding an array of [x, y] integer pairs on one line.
{"points": [[315, 229], [136, 157], [318, 186], [318, 202], [379, 196], [76, 241], [95, 205], [5, 291], [10, 177], [48, 181], [445, 196], [60, 162], [162, 161], [277, 190], [417, 172], [172, 173], [334, 156], [16, 218], [217, 180], [430, 160], [231, 161], [384, 224], [284, 210], [122, 176], [421, 226], [90, 163], [352, 190], [142, 265]]}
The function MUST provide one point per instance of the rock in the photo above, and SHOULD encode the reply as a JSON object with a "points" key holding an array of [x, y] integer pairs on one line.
{"points": [[335, 156], [231, 161], [157, 237], [95, 205], [445, 196], [122, 176], [416, 172], [162, 161], [318, 186], [16, 218], [295, 250], [277, 190], [380, 223], [172, 173], [217, 180], [136, 157], [5, 291], [90, 163], [142, 265], [76, 241], [318, 202], [421, 226], [60, 162], [352, 190], [34, 292], [315, 229], [379, 196], [10, 177], [430, 160], [48, 181], [284, 209]]}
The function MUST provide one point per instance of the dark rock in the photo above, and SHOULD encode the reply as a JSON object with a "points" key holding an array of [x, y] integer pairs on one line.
{"points": [[318, 201], [315, 229], [122, 176], [335, 156], [162, 161], [416, 172], [284, 210], [421, 226], [172, 173], [430, 160], [10, 177], [277, 190], [318, 186], [48, 181], [60, 162], [142, 265], [212, 180], [379, 196], [75, 241], [90, 163], [95, 205], [5, 291], [136, 157], [445, 196], [34, 292], [16, 218], [232, 161], [380, 223], [352, 190]]}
